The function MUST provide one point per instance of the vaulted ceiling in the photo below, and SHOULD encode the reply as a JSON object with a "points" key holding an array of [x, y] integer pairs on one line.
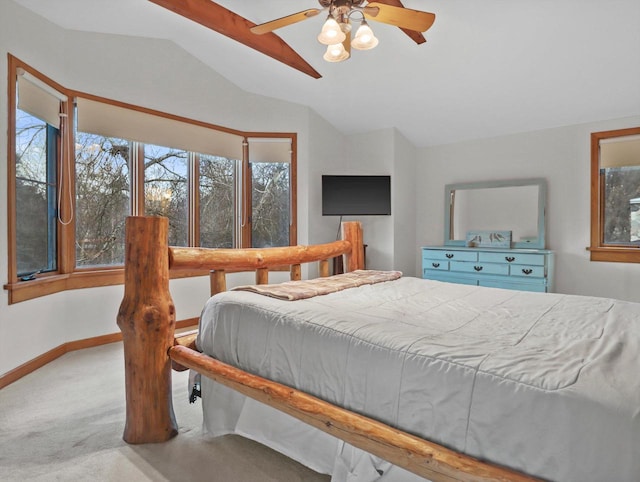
{"points": [[488, 68]]}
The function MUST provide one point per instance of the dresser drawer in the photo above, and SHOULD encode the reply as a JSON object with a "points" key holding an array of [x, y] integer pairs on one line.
{"points": [[435, 264], [449, 255], [515, 258], [480, 268], [526, 271]]}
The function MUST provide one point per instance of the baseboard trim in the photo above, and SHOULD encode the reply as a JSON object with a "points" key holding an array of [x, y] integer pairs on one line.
{"points": [[47, 357]]}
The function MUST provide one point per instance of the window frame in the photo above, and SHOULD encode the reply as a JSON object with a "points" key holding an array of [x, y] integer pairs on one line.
{"points": [[599, 250], [68, 276]]}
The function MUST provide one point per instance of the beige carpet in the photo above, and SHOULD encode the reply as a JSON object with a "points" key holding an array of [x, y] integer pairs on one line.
{"points": [[65, 421]]}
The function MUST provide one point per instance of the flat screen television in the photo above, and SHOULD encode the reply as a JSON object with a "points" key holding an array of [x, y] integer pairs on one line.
{"points": [[356, 195]]}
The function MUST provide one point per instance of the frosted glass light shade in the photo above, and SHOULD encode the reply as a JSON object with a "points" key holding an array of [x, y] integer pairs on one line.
{"points": [[335, 53], [331, 33], [364, 38]]}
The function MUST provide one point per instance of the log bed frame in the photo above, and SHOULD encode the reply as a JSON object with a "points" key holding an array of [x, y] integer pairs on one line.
{"points": [[151, 348]]}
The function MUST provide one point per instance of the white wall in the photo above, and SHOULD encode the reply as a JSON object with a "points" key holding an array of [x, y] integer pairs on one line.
{"points": [[389, 239], [404, 206], [327, 155], [361, 154], [372, 153], [562, 157]]}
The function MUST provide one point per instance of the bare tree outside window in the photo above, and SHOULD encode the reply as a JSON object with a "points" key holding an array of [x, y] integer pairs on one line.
{"points": [[102, 199], [217, 194], [271, 204], [166, 190], [621, 221]]}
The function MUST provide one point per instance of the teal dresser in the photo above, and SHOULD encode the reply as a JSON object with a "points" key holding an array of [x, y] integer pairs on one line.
{"points": [[518, 269]]}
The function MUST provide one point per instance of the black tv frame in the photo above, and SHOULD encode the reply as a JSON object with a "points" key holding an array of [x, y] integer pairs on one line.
{"points": [[356, 195]]}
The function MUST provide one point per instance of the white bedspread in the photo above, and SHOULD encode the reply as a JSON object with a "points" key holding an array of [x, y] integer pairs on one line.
{"points": [[547, 384]]}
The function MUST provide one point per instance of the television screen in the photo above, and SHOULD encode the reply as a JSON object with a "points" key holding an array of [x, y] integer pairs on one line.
{"points": [[356, 195]]}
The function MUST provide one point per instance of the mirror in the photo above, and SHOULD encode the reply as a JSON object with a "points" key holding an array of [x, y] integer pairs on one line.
{"points": [[516, 205]]}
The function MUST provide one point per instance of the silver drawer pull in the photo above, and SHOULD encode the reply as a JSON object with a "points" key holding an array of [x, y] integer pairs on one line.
{"points": [[509, 258], [527, 270], [449, 255], [479, 268], [435, 265]]}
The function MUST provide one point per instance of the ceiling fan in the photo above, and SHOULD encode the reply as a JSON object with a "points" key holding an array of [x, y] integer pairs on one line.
{"points": [[261, 37]]}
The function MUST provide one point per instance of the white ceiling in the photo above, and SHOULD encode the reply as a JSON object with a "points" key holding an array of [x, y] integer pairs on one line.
{"points": [[488, 68]]}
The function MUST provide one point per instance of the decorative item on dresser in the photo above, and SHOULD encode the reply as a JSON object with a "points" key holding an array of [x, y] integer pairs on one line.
{"points": [[520, 269], [494, 236]]}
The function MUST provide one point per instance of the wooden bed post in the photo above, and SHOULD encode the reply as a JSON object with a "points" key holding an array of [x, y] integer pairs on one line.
{"points": [[217, 281], [147, 321], [352, 232]]}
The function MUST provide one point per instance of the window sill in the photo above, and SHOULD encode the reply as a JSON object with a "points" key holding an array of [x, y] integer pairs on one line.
{"points": [[615, 254], [50, 284]]}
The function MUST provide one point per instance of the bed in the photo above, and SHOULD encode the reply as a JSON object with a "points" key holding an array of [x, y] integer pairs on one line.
{"points": [[447, 382]]}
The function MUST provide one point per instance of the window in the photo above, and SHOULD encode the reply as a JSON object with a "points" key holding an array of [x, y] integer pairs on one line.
{"points": [[70, 192], [270, 193], [38, 122], [615, 195], [217, 193], [35, 198], [103, 199]]}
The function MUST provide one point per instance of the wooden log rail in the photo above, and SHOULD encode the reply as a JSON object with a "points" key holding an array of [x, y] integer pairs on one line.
{"points": [[260, 260], [147, 321], [253, 258]]}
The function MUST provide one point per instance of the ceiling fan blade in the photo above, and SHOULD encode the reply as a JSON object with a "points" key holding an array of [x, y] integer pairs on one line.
{"points": [[232, 25], [417, 37], [400, 17], [284, 21]]}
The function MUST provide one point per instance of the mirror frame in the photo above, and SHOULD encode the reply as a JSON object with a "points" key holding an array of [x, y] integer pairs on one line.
{"points": [[449, 195]]}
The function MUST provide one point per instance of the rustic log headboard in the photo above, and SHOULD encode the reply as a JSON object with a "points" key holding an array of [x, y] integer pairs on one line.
{"points": [[147, 321]]}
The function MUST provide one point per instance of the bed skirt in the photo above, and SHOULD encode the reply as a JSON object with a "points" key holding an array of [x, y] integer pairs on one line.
{"points": [[229, 412]]}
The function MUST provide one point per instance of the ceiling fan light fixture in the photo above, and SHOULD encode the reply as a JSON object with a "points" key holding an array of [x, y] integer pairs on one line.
{"points": [[331, 33], [364, 38], [336, 53]]}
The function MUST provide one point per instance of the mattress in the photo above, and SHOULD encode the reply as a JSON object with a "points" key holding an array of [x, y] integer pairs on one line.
{"points": [[543, 383]]}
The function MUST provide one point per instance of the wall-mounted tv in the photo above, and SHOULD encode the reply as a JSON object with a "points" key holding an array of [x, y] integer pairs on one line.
{"points": [[356, 195]]}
